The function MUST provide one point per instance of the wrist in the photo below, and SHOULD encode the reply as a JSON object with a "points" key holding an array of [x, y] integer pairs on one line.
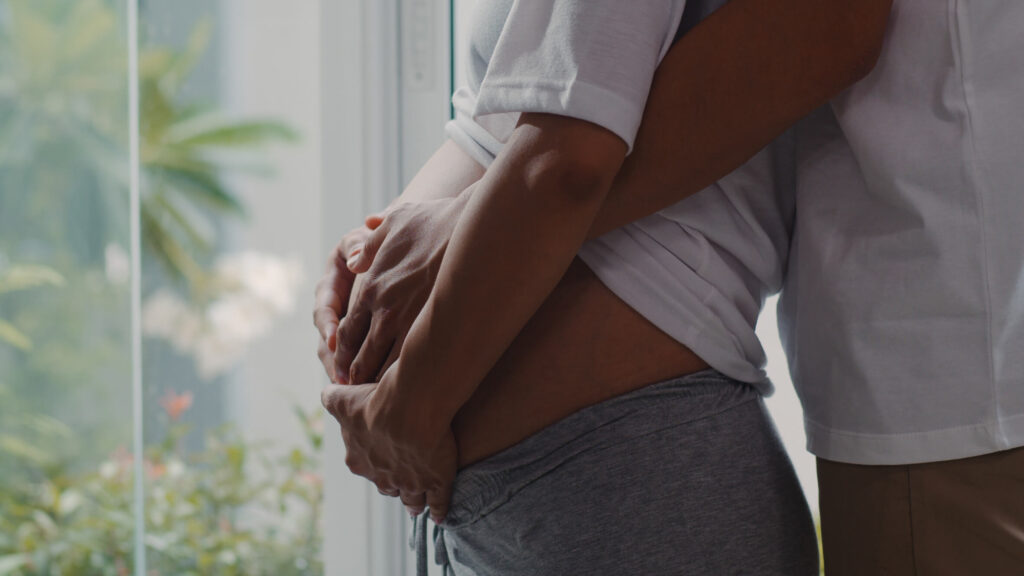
{"points": [[416, 412]]}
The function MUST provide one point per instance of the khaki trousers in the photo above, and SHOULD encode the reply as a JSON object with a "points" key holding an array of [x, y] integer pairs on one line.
{"points": [[960, 517]]}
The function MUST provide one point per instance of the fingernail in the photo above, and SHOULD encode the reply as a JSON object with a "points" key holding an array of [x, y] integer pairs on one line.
{"points": [[436, 519], [353, 260], [343, 375]]}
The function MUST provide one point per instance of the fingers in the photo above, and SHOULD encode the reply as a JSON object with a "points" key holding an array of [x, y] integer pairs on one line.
{"points": [[342, 401], [375, 349], [332, 294], [361, 262], [415, 503], [327, 359], [327, 307], [352, 332], [437, 501], [352, 243], [396, 349], [374, 220]]}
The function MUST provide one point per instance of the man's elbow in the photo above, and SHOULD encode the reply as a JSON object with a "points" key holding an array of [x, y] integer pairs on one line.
{"points": [[571, 159]]}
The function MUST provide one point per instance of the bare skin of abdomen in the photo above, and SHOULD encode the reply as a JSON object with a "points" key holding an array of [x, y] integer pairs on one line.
{"points": [[584, 345]]}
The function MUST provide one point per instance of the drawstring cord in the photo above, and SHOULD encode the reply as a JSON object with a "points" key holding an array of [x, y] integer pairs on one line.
{"points": [[418, 542]]}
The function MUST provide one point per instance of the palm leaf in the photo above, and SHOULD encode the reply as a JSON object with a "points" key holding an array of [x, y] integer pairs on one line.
{"points": [[216, 131], [167, 249], [180, 68], [90, 24], [190, 179], [14, 337], [24, 277], [200, 238]]}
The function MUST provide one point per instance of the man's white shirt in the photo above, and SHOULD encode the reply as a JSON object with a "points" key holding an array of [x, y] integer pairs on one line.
{"points": [[903, 308]]}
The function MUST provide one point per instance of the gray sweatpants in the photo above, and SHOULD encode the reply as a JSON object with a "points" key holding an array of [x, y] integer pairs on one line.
{"points": [[686, 476]]}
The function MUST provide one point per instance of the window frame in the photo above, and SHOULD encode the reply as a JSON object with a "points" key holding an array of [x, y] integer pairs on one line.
{"points": [[380, 122]]}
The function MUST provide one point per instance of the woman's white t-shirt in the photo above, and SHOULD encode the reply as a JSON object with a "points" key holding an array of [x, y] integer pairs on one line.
{"points": [[699, 270]]}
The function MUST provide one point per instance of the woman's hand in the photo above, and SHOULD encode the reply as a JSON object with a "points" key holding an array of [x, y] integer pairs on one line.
{"points": [[397, 264], [407, 451], [333, 292]]}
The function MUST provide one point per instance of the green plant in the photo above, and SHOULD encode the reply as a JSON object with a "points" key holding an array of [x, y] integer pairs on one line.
{"points": [[64, 199], [64, 137], [200, 510], [64, 354], [16, 279], [183, 154]]}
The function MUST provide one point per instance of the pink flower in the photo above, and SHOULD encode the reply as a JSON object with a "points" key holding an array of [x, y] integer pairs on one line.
{"points": [[176, 404], [154, 470], [311, 479]]}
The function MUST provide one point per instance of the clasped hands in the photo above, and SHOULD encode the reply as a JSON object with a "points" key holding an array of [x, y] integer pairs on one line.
{"points": [[383, 273]]}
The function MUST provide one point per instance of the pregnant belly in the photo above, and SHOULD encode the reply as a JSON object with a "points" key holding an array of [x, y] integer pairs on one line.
{"points": [[584, 345]]}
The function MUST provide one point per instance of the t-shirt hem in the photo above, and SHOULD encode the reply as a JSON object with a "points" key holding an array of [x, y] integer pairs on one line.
{"points": [[915, 447], [468, 143], [578, 100], [681, 322]]}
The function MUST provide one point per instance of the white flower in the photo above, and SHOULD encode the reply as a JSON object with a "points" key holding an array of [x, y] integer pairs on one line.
{"points": [[239, 317], [254, 290], [108, 470], [175, 468], [118, 264], [161, 313], [269, 279], [70, 500], [215, 356], [186, 330]]}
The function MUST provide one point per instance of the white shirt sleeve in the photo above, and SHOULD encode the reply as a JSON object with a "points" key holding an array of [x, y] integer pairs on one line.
{"points": [[593, 60]]}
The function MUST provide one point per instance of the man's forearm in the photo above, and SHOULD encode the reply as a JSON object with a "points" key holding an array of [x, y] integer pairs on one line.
{"points": [[521, 229], [732, 85]]}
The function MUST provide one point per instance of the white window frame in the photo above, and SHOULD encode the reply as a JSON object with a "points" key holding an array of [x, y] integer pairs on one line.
{"points": [[386, 81]]}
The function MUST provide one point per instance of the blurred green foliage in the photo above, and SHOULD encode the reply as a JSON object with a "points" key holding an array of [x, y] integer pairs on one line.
{"points": [[64, 137], [65, 399], [226, 510], [16, 279]]}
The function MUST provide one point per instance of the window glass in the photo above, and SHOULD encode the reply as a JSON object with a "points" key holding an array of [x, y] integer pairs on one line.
{"points": [[229, 156], [229, 119], [66, 467]]}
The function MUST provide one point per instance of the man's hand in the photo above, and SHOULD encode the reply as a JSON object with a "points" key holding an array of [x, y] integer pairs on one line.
{"points": [[333, 291], [399, 448], [397, 264]]}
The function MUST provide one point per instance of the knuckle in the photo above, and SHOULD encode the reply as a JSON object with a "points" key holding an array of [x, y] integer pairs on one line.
{"points": [[397, 211], [327, 399], [382, 320], [346, 330], [354, 464], [355, 372], [368, 295]]}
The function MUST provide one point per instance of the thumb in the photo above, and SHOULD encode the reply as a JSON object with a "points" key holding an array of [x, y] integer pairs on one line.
{"points": [[342, 400]]}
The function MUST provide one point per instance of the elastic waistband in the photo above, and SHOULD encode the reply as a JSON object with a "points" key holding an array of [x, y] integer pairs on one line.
{"points": [[489, 483]]}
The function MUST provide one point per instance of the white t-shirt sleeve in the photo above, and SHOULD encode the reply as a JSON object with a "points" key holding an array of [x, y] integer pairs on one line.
{"points": [[593, 60]]}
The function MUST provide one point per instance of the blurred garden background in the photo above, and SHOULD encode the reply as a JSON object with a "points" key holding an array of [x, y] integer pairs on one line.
{"points": [[229, 163]]}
